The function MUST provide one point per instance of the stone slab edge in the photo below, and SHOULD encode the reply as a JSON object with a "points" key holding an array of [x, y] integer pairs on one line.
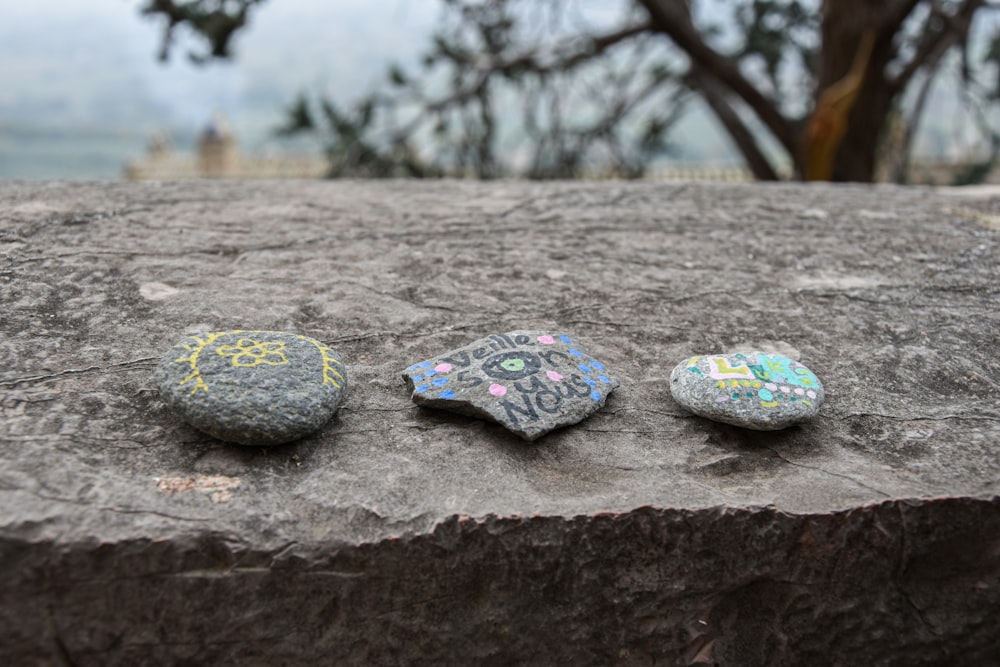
{"points": [[901, 582]]}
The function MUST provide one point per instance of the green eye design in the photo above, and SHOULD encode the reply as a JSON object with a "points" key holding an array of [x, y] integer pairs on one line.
{"points": [[512, 365]]}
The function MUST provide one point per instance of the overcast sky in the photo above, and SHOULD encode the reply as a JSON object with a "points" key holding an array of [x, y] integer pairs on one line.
{"points": [[86, 61]]}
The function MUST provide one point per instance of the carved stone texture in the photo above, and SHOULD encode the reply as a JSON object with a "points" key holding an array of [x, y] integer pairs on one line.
{"points": [[868, 535], [531, 382]]}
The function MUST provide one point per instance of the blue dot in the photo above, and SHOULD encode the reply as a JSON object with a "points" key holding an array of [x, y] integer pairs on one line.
{"points": [[421, 388], [575, 352], [412, 368], [765, 395], [447, 393], [590, 381], [430, 373], [418, 378], [584, 368], [439, 382], [425, 364], [596, 364], [564, 338], [595, 395], [604, 378]]}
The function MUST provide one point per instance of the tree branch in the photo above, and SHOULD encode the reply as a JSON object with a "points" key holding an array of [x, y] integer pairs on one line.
{"points": [[673, 18], [216, 22], [715, 96], [600, 44], [592, 48], [934, 43], [894, 17], [901, 168]]}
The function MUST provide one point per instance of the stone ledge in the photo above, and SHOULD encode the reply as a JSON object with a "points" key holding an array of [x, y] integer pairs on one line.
{"points": [[898, 583], [888, 294]]}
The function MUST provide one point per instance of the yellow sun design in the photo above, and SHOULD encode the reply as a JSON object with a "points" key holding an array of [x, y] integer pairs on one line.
{"points": [[249, 353]]}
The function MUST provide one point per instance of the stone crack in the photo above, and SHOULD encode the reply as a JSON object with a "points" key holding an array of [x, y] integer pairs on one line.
{"points": [[828, 472], [45, 377]]}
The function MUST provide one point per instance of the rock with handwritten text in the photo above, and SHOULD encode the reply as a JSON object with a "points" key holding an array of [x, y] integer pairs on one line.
{"points": [[529, 381], [252, 387], [760, 391]]}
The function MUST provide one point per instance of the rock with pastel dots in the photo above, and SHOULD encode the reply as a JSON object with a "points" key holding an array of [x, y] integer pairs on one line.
{"points": [[252, 387], [531, 382], [755, 390]]}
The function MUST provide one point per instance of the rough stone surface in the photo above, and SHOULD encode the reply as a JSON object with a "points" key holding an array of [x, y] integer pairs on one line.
{"points": [[765, 392], [643, 535], [531, 382], [252, 387]]}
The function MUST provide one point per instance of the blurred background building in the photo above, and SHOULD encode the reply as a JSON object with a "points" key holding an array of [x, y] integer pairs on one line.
{"points": [[217, 155]]}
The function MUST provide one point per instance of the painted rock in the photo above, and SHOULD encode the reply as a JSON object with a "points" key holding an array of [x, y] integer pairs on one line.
{"points": [[760, 391], [252, 387], [531, 382]]}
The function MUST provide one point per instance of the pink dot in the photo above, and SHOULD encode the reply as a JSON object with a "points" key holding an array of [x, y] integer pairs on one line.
{"points": [[811, 394], [799, 391], [555, 377], [771, 386], [443, 368], [546, 340], [498, 389]]}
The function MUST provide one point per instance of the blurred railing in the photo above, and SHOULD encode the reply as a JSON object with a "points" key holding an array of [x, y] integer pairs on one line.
{"points": [[174, 166], [698, 173], [178, 166]]}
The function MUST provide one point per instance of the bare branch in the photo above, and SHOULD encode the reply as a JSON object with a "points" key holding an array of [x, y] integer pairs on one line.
{"points": [[952, 29], [901, 167], [217, 22], [895, 16], [587, 50], [673, 18], [714, 95]]}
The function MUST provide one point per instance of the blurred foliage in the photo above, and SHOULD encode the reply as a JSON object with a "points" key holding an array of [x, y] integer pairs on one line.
{"points": [[537, 88], [217, 21], [584, 103]]}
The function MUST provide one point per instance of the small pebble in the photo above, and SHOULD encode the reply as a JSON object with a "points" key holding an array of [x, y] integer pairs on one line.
{"points": [[252, 387], [756, 390], [531, 382]]}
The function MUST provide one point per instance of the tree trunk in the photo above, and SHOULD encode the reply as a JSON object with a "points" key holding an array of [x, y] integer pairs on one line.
{"points": [[844, 25], [859, 151]]}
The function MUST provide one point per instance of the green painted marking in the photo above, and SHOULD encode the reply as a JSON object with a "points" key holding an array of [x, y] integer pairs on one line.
{"points": [[512, 364]]}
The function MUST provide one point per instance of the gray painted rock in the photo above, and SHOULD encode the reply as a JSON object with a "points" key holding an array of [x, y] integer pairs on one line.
{"points": [[531, 382], [252, 387], [761, 391]]}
